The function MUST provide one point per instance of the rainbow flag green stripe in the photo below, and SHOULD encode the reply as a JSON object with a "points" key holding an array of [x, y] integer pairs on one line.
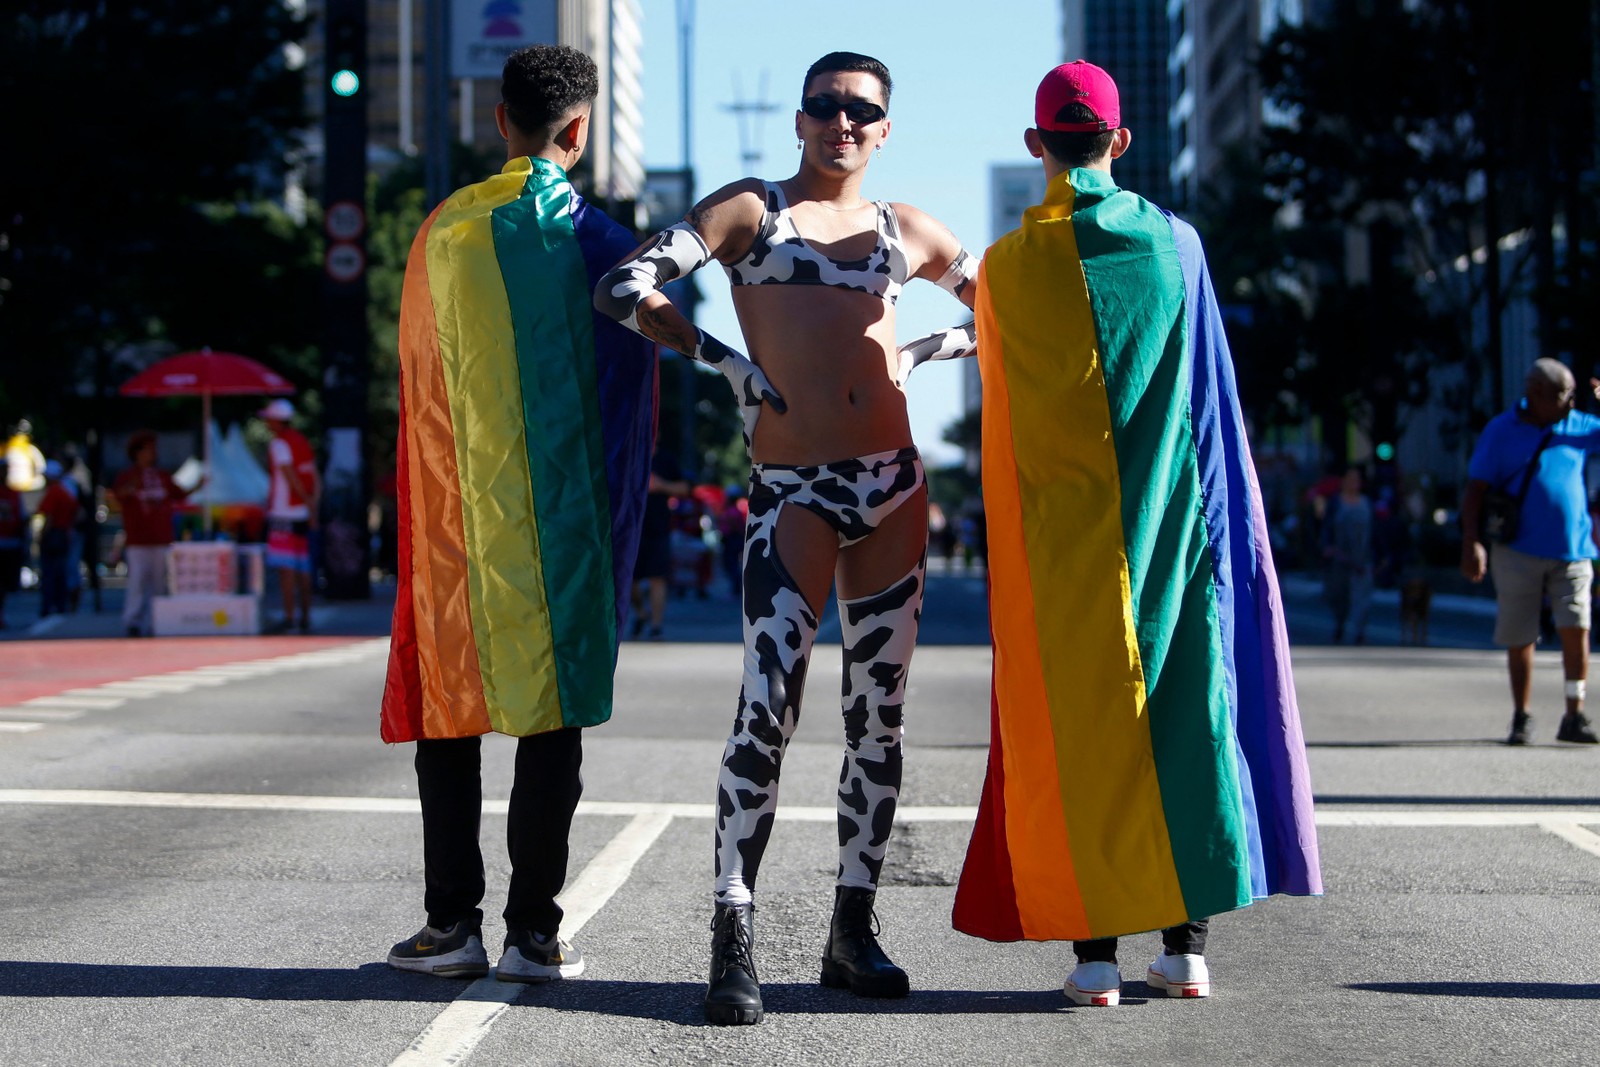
{"points": [[1147, 359], [554, 344]]}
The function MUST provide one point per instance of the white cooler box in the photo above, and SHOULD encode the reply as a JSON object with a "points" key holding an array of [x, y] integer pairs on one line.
{"points": [[203, 614]]}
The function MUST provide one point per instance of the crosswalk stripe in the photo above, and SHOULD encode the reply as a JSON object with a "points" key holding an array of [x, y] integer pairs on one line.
{"points": [[1587, 840], [43, 714], [62, 701], [20, 727]]}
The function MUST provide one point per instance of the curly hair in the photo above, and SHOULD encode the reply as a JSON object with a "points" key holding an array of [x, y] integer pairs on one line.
{"points": [[849, 63], [541, 84]]}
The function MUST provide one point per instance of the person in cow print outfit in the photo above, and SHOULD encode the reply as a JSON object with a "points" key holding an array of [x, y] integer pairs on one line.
{"points": [[837, 491]]}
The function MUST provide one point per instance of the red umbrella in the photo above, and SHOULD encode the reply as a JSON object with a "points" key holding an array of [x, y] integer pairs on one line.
{"points": [[207, 374]]}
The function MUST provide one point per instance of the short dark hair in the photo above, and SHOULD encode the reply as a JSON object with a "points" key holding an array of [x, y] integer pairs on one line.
{"points": [[542, 83], [1076, 149], [850, 63]]}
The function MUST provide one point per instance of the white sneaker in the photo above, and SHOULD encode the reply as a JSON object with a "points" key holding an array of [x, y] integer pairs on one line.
{"points": [[1094, 985], [1181, 976]]}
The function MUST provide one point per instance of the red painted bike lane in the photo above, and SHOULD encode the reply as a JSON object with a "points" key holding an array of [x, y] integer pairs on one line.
{"points": [[31, 669]]}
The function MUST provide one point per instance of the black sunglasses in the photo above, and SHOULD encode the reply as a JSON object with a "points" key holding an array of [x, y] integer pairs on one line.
{"points": [[860, 112]]}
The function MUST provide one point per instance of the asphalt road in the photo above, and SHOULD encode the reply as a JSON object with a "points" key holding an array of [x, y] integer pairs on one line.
{"points": [[207, 866]]}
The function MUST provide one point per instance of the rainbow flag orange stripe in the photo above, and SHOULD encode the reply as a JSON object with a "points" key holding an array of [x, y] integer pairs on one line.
{"points": [[523, 460], [1146, 763]]}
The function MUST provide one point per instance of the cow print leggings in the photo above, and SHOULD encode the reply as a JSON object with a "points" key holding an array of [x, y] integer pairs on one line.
{"points": [[878, 632]]}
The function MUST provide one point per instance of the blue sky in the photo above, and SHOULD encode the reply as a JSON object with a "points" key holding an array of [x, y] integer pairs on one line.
{"points": [[964, 75]]}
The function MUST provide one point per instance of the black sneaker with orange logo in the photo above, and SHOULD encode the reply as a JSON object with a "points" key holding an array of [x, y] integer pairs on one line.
{"points": [[454, 952]]}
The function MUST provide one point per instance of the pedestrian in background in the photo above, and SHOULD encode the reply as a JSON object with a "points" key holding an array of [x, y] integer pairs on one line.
{"points": [[13, 545], [291, 511], [1525, 496], [1347, 538], [525, 423], [59, 509], [652, 572], [146, 496]]}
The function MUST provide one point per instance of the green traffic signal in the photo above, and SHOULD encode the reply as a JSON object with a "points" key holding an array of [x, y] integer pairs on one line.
{"points": [[345, 83], [1385, 452]]}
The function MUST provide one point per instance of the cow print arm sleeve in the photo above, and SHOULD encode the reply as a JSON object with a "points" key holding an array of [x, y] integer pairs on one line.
{"points": [[624, 292], [954, 342], [671, 254]]}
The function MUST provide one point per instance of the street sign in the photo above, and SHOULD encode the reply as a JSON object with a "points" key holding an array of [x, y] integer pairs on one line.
{"points": [[484, 32], [345, 220], [345, 262]]}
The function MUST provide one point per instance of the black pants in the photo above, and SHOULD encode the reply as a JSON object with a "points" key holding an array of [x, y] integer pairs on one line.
{"points": [[1181, 940], [544, 794]]}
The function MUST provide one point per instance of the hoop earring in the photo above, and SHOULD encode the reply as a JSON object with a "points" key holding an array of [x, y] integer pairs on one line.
{"points": [[799, 145]]}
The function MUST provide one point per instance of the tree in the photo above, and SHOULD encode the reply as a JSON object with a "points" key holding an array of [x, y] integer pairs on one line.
{"points": [[147, 140], [1471, 142]]}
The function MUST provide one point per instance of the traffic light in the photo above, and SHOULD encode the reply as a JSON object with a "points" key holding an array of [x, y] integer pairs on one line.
{"points": [[345, 82], [346, 43], [345, 368]]}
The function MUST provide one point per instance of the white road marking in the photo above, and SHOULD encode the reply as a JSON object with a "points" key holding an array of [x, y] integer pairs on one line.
{"points": [[20, 727], [132, 690], [1587, 840], [42, 714], [175, 680], [457, 1030], [1457, 817], [1378, 817], [113, 798], [60, 701]]}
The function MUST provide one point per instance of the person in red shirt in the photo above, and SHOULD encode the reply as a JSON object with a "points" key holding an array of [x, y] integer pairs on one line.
{"points": [[13, 524], [146, 496], [59, 509], [291, 510]]}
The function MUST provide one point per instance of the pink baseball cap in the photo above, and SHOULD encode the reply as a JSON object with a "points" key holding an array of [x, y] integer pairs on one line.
{"points": [[1078, 82]]}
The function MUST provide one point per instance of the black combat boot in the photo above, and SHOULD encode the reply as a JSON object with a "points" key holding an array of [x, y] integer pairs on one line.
{"points": [[733, 998], [853, 959]]}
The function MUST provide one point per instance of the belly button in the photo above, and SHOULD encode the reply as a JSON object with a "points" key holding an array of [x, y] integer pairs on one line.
{"points": [[852, 396]]}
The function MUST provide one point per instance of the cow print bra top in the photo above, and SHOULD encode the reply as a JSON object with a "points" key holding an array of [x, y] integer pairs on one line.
{"points": [[780, 256]]}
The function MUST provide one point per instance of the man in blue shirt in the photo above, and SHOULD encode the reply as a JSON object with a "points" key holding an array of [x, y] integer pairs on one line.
{"points": [[1553, 547]]}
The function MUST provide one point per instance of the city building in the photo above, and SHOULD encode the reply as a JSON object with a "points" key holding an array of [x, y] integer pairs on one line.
{"points": [[1130, 39]]}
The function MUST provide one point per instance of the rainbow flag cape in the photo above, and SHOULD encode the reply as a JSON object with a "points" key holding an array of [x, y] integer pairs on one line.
{"points": [[526, 422], [1146, 764]]}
